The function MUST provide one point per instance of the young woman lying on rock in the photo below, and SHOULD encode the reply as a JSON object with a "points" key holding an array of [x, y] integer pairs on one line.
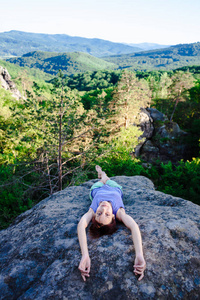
{"points": [[107, 204]]}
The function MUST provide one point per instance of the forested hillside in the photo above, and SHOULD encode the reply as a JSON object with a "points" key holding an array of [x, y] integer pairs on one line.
{"points": [[77, 62], [163, 59], [17, 43], [69, 63], [16, 71], [65, 125]]}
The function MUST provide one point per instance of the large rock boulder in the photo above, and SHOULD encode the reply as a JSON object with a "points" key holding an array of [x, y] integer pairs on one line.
{"points": [[147, 129], [164, 140], [170, 130], [40, 253], [156, 115], [7, 84], [146, 123]]}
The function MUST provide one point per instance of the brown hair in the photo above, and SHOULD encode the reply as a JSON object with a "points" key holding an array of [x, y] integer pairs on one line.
{"points": [[97, 229]]}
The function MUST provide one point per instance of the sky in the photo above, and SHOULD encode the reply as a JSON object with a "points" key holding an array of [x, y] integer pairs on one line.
{"points": [[166, 22]]}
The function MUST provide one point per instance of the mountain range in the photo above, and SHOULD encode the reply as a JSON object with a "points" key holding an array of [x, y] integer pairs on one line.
{"points": [[17, 43], [148, 46], [77, 62], [73, 54]]}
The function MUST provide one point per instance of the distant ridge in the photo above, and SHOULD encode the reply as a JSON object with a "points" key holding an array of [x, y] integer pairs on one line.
{"points": [[162, 59], [17, 43], [45, 52], [149, 46], [69, 63]]}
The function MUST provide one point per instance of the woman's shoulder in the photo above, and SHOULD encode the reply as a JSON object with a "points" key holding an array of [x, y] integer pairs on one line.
{"points": [[89, 214], [120, 212], [91, 211]]}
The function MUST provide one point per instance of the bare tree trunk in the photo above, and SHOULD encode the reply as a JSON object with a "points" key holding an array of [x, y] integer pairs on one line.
{"points": [[60, 155], [60, 144], [176, 103], [48, 172]]}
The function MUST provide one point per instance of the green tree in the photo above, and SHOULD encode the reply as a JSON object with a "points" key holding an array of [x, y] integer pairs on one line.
{"points": [[64, 127], [49, 134], [178, 90], [128, 97], [195, 92]]}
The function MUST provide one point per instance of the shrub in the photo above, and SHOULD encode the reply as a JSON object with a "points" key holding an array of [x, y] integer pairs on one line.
{"points": [[181, 180]]}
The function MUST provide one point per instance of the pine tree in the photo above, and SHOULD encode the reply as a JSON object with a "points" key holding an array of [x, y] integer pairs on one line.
{"points": [[178, 90], [130, 95]]}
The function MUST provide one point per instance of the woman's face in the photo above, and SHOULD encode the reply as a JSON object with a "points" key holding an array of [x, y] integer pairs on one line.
{"points": [[104, 213]]}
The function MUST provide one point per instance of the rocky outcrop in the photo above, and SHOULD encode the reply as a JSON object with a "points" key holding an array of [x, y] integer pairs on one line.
{"points": [[146, 123], [156, 115], [7, 84], [164, 140], [147, 128], [39, 252]]}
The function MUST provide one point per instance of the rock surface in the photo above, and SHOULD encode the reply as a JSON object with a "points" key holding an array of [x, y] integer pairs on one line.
{"points": [[164, 140], [146, 123], [39, 253], [156, 115], [7, 84]]}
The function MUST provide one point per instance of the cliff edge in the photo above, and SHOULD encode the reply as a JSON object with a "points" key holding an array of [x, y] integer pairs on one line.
{"points": [[7, 84], [40, 253]]}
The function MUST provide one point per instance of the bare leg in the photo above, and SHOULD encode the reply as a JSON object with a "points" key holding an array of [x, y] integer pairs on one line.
{"points": [[101, 174], [99, 171]]}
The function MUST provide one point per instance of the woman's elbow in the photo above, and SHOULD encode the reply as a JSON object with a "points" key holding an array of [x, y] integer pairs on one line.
{"points": [[132, 225], [82, 224]]}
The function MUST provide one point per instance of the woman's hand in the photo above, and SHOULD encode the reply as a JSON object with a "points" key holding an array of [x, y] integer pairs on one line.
{"points": [[139, 266], [84, 266], [128, 221]]}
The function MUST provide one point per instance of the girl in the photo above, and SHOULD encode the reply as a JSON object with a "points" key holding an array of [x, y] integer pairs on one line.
{"points": [[107, 205]]}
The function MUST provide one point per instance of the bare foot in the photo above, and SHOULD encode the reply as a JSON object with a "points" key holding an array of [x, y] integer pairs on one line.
{"points": [[99, 171]]}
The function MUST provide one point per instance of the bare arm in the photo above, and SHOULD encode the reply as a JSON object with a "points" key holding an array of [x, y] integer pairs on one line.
{"points": [[128, 221], [84, 265]]}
